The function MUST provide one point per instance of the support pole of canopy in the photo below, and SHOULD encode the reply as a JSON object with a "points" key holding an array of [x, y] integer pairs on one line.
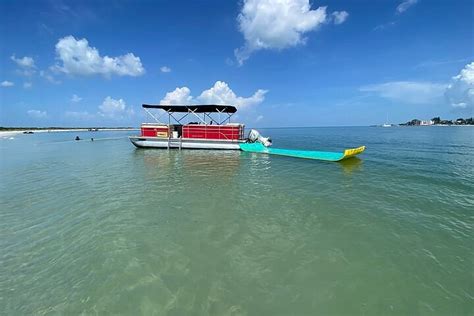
{"points": [[182, 117], [174, 118], [169, 131], [154, 117], [226, 119], [210, 117], [197, 115]]}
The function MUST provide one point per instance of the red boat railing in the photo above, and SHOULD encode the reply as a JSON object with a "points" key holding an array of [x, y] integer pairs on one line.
{"points": [[199, 131], [227, 132]]}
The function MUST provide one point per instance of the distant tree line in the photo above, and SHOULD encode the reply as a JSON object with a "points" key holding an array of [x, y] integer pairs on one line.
{"points": [[439, 121]]}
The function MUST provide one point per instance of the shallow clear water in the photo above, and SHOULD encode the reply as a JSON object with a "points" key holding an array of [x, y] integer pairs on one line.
{"points": [[102, 227]]}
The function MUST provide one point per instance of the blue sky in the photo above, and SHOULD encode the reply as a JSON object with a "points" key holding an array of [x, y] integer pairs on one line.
{"points": [[283, 63]]}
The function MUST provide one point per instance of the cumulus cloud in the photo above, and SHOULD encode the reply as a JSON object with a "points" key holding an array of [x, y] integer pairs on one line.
{"points": [[75, 98], [110, 108], [27, 85], [165, 69], [460, 91], [405, 5], [26, 64], [220, 93], [340, 16], [408, 91], [178, 96], [278, 24], [115, 109], [37, 114], [467, 74], [7, 84], [76, 57]]}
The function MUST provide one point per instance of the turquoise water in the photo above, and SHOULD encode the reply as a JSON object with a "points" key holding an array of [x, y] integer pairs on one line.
{"points": [[102, 227]]}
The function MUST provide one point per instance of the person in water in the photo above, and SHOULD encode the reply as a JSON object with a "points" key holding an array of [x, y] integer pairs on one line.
{"points": [[77, 138]]}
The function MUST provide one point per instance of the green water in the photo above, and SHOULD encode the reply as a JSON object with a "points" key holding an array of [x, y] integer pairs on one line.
{"points": [[104, 228]]}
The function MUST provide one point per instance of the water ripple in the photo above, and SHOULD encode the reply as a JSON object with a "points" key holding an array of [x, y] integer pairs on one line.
{"points": [[103, 228]]}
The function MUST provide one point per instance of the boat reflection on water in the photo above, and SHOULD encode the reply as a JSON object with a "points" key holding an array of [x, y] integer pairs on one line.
{"points": [[219, 164], [351, 165], [157, 159]]}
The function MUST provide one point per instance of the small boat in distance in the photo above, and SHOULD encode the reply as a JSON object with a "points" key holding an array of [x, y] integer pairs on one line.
{"points": [[386, 124]]}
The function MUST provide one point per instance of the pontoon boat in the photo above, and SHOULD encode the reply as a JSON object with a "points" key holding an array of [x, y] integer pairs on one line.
{"points": [[212, 128]]}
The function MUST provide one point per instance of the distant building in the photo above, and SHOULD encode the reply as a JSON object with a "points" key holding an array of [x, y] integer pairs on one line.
{"points": [[414, 122], [426, 123], [439, 121]]}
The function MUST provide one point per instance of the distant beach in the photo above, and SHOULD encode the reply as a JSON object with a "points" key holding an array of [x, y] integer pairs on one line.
{"points": [[14, 131]]}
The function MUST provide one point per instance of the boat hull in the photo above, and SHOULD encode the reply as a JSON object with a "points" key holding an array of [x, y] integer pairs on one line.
{"points": [[187, 143]]}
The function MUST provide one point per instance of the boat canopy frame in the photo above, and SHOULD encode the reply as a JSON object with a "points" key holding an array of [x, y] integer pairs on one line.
{"points": [[205, 109]]}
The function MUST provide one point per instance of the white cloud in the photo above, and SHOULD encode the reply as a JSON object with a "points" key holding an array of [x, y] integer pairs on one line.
{"points": [[27, 85], [37, 114], [109, 109], [259, 118], [220, 93], [382, 27], [467, 74], [405, 5], [165, 69], [115, 109], [7, 84], [25, 62], [75, 98], [435, 63], [46, 75], [78, 58], [460, 91], [408, 91], [26, 65], [178, 96], [278, 24], [340, 16], [460, 105]]}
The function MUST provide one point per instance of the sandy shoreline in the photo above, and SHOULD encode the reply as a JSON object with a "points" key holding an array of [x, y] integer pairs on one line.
{"points": [[4, 134]]}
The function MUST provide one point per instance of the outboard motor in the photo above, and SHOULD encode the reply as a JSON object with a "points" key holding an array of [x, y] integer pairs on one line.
{"points": [[254, 136]]}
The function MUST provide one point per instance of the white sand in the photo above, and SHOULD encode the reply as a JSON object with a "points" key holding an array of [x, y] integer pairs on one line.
{"points": [[4, 134]]}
